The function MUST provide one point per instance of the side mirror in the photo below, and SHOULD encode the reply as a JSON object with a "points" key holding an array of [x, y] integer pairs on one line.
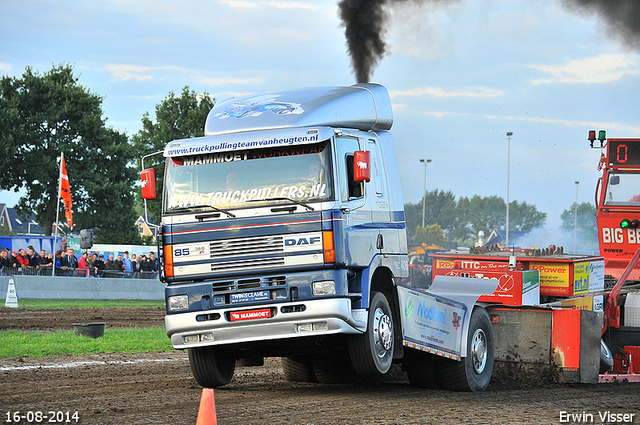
{"points": [[148, 177], [362, 166]]}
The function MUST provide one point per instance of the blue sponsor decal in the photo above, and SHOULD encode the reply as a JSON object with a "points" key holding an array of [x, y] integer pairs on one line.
{"points": [[246, 297], [432, 313], [302, 241]]}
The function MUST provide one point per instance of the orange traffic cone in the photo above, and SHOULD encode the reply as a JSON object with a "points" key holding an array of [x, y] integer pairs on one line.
{"points": [[207, 410]]}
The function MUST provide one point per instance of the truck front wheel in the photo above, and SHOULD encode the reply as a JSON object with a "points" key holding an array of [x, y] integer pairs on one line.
{"points": [[211, 367], [372, 352], [473, 372]]}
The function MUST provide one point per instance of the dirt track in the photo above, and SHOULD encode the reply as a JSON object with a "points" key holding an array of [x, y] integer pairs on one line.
{"points": [[157, 388]]}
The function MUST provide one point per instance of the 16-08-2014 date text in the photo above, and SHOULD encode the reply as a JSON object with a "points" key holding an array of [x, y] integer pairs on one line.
{"points": [[37, 416]]}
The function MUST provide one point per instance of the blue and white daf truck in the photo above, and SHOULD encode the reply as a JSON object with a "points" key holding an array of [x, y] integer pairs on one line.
{"points": [[283, 235]]}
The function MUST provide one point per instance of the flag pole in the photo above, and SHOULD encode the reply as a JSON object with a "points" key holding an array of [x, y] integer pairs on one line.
{"points": [[55, 239]]}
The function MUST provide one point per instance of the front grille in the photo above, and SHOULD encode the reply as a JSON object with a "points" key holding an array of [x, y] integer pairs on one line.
{"points": [[244, 284], [249, 264], [246, 246]]}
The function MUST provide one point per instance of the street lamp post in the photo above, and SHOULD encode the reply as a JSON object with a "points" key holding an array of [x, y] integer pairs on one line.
{"points": [[509, 134], [575, 219], [424, 192]]}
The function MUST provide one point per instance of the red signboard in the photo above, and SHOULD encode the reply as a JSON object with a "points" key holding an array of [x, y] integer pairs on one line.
{"points": [[264, 313]]}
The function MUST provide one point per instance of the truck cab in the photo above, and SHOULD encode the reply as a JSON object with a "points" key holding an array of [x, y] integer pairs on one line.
{"points": [[618, 203], [283, 235]]}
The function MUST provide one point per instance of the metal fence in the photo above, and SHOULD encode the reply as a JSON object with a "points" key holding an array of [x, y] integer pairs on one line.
{"points": [[46, 271]]}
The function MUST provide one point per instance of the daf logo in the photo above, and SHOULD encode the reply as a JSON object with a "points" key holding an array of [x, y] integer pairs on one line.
{"points": [[302, 241]]}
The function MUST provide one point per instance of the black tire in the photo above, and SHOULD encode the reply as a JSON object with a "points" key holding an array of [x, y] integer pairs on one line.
{"points": [[372, 352], [606, 358], [422, 369], [211, 366], [472, 372], [298, 369]]}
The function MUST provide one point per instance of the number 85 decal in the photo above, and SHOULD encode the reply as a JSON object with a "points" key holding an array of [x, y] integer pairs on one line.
{"points": [[180, 252]]}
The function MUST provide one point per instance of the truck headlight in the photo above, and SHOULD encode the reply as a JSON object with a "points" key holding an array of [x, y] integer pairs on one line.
{"points": [[324, 288], [178, 302]]}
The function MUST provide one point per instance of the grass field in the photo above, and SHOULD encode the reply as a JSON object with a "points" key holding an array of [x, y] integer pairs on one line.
{"points": [[16, 343], [34, 344]]}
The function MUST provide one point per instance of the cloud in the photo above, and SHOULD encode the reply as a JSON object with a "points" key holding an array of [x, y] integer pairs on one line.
{"points": [[246, 4], [438, 92], [230, 80], [604, 68], [136, 72], [5, 66], [569, 123]]}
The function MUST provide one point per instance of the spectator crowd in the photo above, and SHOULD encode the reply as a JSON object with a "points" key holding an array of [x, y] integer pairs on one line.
{"points": [[65, 263]]}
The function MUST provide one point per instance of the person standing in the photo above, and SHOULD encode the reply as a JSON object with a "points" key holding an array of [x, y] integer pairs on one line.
{"points": [[34, 260], [128, 265], [84, 265], [45, 263], [63, 245], [23, 259], [5, 262], [57, 264], [155, 265], [119, 265], [100, 266], [69, 262]]}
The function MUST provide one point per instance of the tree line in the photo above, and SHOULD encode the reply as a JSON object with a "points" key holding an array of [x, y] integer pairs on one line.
{"points": [[461, 219], [447, 219], [42, 115]]}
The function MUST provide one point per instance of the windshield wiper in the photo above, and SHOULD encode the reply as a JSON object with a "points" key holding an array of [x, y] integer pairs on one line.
{"points": [[204, 206], [283, 198]]}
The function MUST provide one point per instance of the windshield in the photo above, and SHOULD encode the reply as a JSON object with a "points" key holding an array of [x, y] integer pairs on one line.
{"points": [[250, 178], [623, 189]]}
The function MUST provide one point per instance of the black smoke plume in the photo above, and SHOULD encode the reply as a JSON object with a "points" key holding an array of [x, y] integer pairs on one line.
{"points": [[622, 17], [365, 25]]}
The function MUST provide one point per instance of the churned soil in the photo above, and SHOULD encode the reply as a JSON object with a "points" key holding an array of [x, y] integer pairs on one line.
{"points": [[158, 388], [63, 319]]}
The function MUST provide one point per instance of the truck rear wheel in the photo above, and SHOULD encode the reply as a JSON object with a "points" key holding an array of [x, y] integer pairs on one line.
{"points": [[473, 372], [606, 359], [211, 366], [372, 352], [298, 369]]}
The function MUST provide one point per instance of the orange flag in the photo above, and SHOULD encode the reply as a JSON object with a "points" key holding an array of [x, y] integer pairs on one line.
{"points": [[65, 192]]}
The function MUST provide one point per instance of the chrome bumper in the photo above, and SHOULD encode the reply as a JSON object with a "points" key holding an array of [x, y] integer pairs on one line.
{"points": [[187, 332]]}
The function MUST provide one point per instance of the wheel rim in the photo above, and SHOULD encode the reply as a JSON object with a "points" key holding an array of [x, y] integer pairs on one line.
{"points": [[383, 332], [479, 350]]}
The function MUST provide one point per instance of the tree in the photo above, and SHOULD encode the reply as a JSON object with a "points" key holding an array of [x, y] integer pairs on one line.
{"points": [[439, 208], [176, 118], [586, 223], [524, 217], [586, 230], [42, 116], [429, 235]]}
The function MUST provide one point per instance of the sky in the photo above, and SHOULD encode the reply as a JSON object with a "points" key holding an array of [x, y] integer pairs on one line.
{"points": [[460, 73]]}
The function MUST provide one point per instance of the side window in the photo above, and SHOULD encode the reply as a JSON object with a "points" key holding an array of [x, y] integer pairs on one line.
{"points": [[356, 189], [345, 147]]}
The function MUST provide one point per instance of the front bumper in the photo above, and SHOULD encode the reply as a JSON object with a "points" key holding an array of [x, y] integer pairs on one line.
{"points": [[333, 316]]}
